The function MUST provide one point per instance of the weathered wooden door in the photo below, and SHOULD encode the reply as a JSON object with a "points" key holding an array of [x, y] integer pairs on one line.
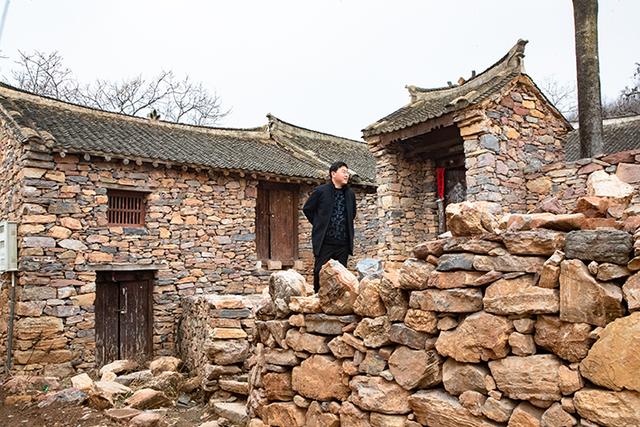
{"points": [[124, 316], [277, 222]]}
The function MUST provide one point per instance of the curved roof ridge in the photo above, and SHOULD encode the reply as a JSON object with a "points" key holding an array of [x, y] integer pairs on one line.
{"points": [[12, 92], [275, 121]]}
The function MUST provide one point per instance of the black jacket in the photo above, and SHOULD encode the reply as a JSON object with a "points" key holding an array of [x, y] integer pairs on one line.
{"points": [[318, 209]]}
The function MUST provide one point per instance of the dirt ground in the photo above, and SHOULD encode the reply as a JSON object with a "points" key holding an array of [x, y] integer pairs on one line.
{"points": [[73, 415]]}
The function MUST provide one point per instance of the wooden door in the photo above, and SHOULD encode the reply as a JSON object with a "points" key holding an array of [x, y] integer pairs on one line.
{"points": [[455, 185], [277, 222], [124, 316]]}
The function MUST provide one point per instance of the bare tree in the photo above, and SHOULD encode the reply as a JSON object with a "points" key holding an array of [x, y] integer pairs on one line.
{"points": [[562, 95], [172, 99], [628, 103], [585, 14]]}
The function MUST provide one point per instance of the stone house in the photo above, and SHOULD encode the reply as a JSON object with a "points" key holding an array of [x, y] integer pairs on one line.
{"points": [[119, 217], [473, 140]]}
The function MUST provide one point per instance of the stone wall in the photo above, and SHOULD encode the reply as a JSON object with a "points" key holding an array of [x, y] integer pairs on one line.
{"points": [[506, 138], [525, 320], [199, 238], [566, 182], [214, 341]]}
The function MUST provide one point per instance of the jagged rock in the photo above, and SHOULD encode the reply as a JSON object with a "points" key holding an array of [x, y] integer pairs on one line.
{"points": [[437, 408], [282, 414], [379, 395], [508, 263], [432, 247], [374, 332], [562, 222], [613, 358], [570, 381], [119, 367], [372, 364], [164, 363], [585, 300], [570, 341], [82, 382], [277, 386], [306, 342], [382, 420], [422, 321], [280, 357], [402, 334], [308, 304], [368, 302], [530, 377], [555, 416], [466, 244], [601, 184], [121, 414], [613, 246], [453, 279], [592, 206], [473, 401], [315, 417], [481, 336], [320, 378], [631, 292], [453, 262], [394, 299], [460, 377], [147, 398], [415, 368], [463, 300], [447, 323], [338, 288], [533, 242], [111, 390], [524, 326], [146, 419], [608, 408], [340, 349], [525, 415], [498, 409], [520, 296], [165, 381], [326, 324], [607, 272], [282, 286], [521, 344], [414, 274], [469, 218], [351, 416], [213, 372], [227, 352]]}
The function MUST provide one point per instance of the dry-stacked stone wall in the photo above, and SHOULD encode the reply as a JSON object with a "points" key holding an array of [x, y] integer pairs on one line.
{"points": [[559, 185], [522, 320], [214, 341]]}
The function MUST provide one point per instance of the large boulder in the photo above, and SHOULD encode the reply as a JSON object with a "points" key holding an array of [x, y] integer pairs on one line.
{"points": [[533, 242], [414, 274], [320, 378], [585, 300], [603, 245], [338, 288], [437, 408], [529, 377], [227, 352], [368, 302], [415, 368], [520, 296], [395, 300], [282, 286], [480, 337], [631, 292], [379, 395], [613, 360], [608, 408], [601, 184], [469, 218]]}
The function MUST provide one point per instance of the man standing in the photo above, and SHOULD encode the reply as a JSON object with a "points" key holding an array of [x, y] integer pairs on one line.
{"points": [[331, 209]]}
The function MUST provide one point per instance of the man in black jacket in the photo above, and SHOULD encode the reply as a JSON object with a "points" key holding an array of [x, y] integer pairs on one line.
{"points": [[331, 209]]}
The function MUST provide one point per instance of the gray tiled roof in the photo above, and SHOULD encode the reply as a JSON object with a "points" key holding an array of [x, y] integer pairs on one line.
{"points": [[620, 134], [80, 129], [428, 104]]}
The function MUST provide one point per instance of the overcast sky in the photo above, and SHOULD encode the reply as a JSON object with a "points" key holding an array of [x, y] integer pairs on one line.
{"points": [[329, 65]]}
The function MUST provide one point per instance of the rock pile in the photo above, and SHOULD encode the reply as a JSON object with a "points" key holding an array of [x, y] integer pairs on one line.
{"points": [[527, 320]]}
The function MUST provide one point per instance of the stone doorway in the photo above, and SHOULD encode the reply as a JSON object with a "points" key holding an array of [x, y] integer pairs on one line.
{"points": [[124, 315]]}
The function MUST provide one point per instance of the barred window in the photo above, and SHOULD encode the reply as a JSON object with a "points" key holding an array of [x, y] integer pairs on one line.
{"points": [[126, 208]]}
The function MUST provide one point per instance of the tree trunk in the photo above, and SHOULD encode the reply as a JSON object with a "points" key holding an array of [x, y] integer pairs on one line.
{"points": [[585, 14]]}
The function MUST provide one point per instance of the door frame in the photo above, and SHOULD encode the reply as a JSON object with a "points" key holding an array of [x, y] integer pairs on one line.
{"points": [[263, 221]]}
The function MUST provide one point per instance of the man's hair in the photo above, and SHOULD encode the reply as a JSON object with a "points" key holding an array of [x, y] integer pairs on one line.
{"points": [[335, 166]]}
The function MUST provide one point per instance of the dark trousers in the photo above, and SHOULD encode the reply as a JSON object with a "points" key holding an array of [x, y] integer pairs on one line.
{"points": [[339, 252]]}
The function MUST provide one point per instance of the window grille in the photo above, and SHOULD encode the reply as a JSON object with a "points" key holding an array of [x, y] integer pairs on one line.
{"points": [[126, 208]]}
